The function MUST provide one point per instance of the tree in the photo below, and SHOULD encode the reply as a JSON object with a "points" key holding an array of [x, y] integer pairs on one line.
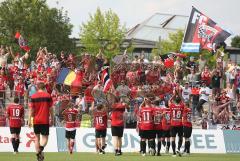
{"points": [[39, 25], [102, 31], [236, 42], [173, 44]]}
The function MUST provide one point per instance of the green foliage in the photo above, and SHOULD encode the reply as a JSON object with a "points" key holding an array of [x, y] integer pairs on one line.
{"points": [[173, 44], [102, 31], [38, 24], [236, 42]]}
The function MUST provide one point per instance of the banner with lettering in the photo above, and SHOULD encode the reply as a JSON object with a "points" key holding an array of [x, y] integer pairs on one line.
{"points": [[26, 140], [202, 141], [202, 33]]}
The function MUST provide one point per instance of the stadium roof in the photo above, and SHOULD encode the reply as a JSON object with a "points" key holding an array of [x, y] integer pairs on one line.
{"points": [[158, 25]]}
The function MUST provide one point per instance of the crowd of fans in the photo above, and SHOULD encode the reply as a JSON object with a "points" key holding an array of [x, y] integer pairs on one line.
{"points": [[213, 92]]}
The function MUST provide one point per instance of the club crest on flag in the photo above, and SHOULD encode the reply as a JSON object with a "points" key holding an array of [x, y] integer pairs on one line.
{"points": [[202, 33]]}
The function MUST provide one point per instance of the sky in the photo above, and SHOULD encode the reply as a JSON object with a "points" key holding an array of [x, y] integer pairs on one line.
{"points": [[132, 12]]}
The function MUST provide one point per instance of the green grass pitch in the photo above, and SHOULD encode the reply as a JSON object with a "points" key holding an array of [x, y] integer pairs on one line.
{"points": [[111, 157]]}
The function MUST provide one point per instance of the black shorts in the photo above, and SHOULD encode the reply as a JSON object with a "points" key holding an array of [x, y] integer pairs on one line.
{"points": [[166, 134], [15, 130], [117, 131], [147, 134], [176, 130], [42, 129], [100, 133], [187, 132], [159, 134], [70, 134]]}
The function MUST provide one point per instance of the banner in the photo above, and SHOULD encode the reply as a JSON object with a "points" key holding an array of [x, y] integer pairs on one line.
{"points": [[202, 141], [85, 140], [207, 141], [26, 140], [202, 33], [232, 141]]}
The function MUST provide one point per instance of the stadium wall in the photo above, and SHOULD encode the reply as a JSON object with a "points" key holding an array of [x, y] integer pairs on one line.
{"points": [[203, 141]]}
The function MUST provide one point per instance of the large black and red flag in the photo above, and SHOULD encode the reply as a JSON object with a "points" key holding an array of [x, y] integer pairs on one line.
{"points": [[202, 33], [22, 42]]}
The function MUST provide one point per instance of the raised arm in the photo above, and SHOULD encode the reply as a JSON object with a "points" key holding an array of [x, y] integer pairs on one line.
{"points": [[11, 52]]}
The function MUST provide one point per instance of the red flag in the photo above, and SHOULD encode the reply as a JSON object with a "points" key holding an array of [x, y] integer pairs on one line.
{"points": [[22, 42], [78, 80], [168, 63]]}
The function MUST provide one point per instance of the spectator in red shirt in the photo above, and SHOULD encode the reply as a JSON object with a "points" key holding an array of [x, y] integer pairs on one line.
{"points": [[3, 86], [206, 76], [40, 109], [117, 124], [15, 115], [19, 90]]}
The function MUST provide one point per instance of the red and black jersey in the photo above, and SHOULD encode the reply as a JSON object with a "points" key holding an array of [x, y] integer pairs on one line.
{"points": [[152, 77], [13, 70], [114, 77], [49, 87], [146, 118], [4, 78], [70, 117], [132, 77], [88, 95], [100, 120], [159, 91], [40, 69], [158, 115], [176, 114], [166, 120], [19, 89], [167, 88], [41, 102], [122, 75], [187, 117], [16, 114], [118, 110], [206, 77], [34, 74]]}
